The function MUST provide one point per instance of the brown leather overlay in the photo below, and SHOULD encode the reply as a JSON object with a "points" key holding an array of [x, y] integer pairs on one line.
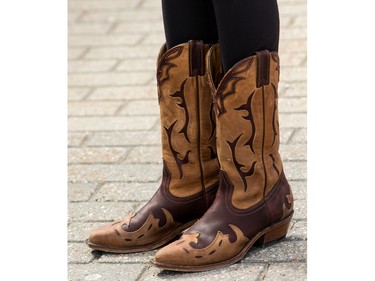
{"points": [[190, 165]]}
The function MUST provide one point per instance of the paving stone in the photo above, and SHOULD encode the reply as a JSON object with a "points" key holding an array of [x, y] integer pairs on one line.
{"points": [[123, 52], [129, 138], [79, 253], [101, 5], [76, 138], [99, 211], [299, 21], [134, 65], [143, 257], [154, 38], [104, 272], [90, 66], [96, 154], [94, 40], [105, 79], [80, 231], [141, 107], [294, 32], [73, 16], [292, 89], [123, 172], [291, 59], [298, 230], [137, 27], [89, 28], [75, 53], [292, 104], [295, 170], [293, 152], [235, 272], [145, 154], [124, 93], [295, 120], [287, 272], [150, 4], [80, 191], [297, 73], [123, 15], [292, 46], [300, 206], [111, 123], [76, 94], [299, 189], [126, 192], [87, 108], [299, 136], [285, 21], [282, 251], [285, 134], [292, 9]]}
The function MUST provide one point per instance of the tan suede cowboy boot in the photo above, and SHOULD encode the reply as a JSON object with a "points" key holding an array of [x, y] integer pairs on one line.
{"points": [[254, 202], [190, 166]]}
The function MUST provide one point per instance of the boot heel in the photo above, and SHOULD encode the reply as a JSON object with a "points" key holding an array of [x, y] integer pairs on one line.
{"points": [[274, 234]]}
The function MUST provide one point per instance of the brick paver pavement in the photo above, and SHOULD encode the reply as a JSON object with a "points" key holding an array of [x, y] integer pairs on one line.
{"points": [[114, 138]]}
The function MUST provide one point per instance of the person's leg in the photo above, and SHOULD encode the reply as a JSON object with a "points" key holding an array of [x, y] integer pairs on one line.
{"points": [[244, 27], [186, 20]]}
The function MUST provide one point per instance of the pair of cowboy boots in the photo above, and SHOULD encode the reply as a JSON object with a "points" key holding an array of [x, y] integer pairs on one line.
{"points": [[223, 185]]}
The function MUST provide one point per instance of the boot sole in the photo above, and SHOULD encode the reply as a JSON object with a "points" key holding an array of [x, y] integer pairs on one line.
{"points": [[143, 248], [273, 233]]}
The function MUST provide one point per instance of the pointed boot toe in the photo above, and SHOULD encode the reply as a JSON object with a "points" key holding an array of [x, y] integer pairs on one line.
{"points": [[190, 166]]}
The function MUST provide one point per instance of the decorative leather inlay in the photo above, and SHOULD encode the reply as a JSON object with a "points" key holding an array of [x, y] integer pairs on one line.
{"points": [[224, 90], [212, 121], [164, 67], [247, 107], [238, 165], [288, 205], [181, 94], [187, 252], [150, 227], [175, 153], [274, 114]]}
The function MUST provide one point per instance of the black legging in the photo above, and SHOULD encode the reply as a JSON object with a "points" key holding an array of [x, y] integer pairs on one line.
{"points": [[242, 26]]}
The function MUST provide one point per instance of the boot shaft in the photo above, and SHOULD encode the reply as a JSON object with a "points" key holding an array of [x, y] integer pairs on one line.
{"points": [[187, 120], [246, 104]]}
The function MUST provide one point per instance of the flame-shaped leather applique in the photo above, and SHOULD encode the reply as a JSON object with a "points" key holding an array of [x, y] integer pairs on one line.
{"points": [[213, 154], [175, 153], [274, 114], [276, 59], [249, 116], [164, 67], [147, 231], [212, 121], [231, 78], [221, 247], [238, 165], [273, 164], [287, 205], [181, 94]]}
